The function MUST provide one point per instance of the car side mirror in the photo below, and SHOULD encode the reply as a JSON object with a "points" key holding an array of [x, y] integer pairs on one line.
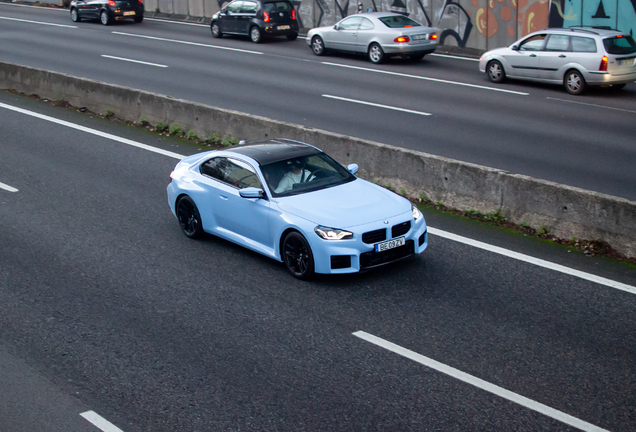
{"points": [[251, 192], [336, 27], [515, 47], [353, 168]]}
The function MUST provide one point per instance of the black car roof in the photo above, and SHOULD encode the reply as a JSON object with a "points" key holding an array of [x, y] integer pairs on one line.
{"points": [[274, 150]]}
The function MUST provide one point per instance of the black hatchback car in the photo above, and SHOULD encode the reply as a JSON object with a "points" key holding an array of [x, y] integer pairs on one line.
{"points": [[257, 18], [107, 11]]}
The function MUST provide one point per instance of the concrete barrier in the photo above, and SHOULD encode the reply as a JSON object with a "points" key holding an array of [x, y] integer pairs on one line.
{"points": [[567, 211]]}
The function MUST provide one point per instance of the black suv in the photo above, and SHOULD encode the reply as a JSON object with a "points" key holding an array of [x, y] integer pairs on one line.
{"points": [[107, 11], [256, 18]]}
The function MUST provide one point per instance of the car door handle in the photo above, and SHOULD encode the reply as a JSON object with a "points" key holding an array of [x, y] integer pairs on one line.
{"points": [[223, 197], [533, 55], [562, 56]]}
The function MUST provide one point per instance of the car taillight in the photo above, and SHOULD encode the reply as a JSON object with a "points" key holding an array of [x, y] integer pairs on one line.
{"points": [[603, 66], [265, 17], [401, 39], [112, 3], [433, 36], [293, 14]]}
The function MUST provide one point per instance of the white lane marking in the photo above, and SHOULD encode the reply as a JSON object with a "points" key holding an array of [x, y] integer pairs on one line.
{"points": [[7, 187], [470, 242], [33, 6], [134, 61], [176, 22], [592, 105], [100, 422], [37, 22], [532, 260], [427, 79], [186, 43], [455, 57], [479, 383], [93, 131], [377, 105]]}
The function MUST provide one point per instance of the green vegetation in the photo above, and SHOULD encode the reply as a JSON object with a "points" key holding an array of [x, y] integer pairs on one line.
{"points": [[229, 141], [192, 136], [161, 126], [175, 129]]}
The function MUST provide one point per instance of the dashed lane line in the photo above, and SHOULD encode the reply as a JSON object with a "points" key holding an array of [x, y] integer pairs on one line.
{"points": [[37, 22], [377, 105], [100, 422], [134, 61], [7, 187]]}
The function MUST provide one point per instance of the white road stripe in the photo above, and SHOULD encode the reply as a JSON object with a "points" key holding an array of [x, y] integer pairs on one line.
{"points": [[33, 6], [592, 105], [455, 57], [186, 43], [532, 260], [100, 422], [37, 22], [7, 187], [134, 61], [427, 78], [470, 242], [93, 131], [377, 105], [479, 383]]}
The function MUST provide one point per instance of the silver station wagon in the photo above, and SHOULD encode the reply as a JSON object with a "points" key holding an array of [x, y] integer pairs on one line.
{"points": [[575, 57]]}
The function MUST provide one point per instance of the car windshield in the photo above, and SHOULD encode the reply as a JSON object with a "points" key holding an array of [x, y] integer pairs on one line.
{"points": [[281, 6], [620, 45], [399, 21], [304, 174]]}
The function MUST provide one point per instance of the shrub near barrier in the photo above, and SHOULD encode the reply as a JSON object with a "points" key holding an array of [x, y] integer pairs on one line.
{"points": [[567, 211]]}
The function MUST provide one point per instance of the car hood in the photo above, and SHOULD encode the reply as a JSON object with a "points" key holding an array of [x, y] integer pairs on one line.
{"points": [[346, 206], [497, 51]]}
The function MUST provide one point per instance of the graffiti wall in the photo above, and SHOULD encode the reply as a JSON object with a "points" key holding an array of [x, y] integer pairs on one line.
{"points": [[479, 24]]}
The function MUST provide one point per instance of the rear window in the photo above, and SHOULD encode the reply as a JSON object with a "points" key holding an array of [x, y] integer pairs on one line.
{"points": [[620, 45], [280, 6], [399, 21]]}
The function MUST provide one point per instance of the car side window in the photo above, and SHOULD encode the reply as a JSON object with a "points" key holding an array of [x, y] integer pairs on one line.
{"points": [[235, 7], [350, 23], [366, 24], [535, 43], [232, 171], [558, 43], [583, 44], [248, 7]]}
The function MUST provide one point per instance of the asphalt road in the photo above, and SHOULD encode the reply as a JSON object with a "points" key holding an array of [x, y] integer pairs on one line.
{"points": [[107, 307], [531, 129]]}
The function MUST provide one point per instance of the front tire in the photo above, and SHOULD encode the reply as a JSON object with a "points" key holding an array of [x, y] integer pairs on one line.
{"points": [[318, 46], [255, 34], [189, 218], [103, 18], [216, 30], [75, 15], [574, 82], [297, 256], [376, 55], [495, 71]]}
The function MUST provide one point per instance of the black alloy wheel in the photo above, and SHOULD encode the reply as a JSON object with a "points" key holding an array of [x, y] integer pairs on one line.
{"points": [[189, 218], [376, 55], [318, 46], [216, 30], [139, 19], [75, 15], [495, 71], [255, 34], [297, 255], [574, 82], [103, 17]]}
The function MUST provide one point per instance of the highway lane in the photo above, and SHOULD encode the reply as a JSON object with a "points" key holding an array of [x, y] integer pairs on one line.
{"points": [[105, 298], [524, 128]]}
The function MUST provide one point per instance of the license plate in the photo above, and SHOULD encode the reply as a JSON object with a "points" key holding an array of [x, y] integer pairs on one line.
{"points": [[129, 13], [626, 62], [390, 244], [419, 37], [283, 27]]}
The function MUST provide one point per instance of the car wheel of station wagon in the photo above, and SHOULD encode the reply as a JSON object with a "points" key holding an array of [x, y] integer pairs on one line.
{"points": [[216, 30], [297, 255], [376, 55], [255, 34], [189, 218], [574, 82], [495, 71], [318, 46], [75, 15], [103, 17]]}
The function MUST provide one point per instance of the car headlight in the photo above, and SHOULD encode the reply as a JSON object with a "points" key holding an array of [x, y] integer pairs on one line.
{"points": [[332, 233], [416, 212]]}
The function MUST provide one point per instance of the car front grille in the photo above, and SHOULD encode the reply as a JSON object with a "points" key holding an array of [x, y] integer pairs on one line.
{"points": [[374, 236], [400, 229], [374, 259]]}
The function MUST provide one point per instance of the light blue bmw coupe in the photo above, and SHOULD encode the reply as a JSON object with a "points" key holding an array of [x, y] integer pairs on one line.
{"points": [[292, 202]]}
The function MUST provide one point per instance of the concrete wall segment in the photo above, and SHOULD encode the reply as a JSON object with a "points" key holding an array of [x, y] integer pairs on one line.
{"points": [[567, 211]]}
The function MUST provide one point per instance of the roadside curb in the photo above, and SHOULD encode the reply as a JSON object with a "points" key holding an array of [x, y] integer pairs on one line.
{"points": [[567, 211]]}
